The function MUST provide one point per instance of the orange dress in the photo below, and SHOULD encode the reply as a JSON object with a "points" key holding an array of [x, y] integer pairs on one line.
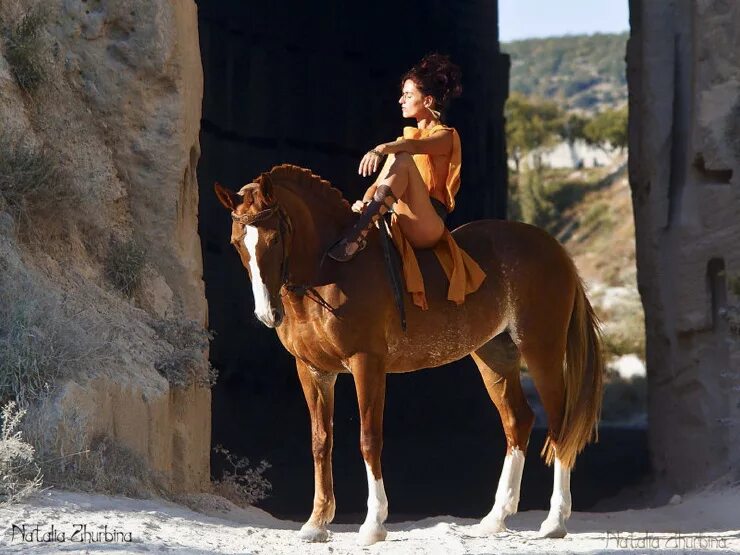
{"points": [[441, 174]]}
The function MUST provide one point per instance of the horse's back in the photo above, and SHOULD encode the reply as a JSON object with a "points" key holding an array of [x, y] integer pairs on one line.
{"points": [[506, 241], [527, 270]]}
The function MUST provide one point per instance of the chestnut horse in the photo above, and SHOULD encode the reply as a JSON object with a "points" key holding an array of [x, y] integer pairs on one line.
{"points": [[341, 317]]}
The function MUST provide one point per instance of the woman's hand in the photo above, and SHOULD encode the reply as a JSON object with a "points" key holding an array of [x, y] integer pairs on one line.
{"points": [[359, 206], [371, 161]]}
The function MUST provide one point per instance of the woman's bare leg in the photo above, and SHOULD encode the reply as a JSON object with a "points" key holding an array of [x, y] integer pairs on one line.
{"points": [[403, 184], [419, 222]]}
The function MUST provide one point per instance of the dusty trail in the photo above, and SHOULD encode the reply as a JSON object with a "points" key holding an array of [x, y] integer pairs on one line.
{"points": [[708, 521]]}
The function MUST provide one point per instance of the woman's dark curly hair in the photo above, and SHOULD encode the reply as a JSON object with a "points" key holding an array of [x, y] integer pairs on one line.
{"points": [[435, 75]]}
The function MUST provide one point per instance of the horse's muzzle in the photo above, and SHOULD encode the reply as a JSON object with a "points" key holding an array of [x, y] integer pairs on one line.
{"points": [[273, 319]]}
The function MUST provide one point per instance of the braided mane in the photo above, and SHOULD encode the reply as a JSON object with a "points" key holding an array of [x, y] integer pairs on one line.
{"points": [[307, 186]]}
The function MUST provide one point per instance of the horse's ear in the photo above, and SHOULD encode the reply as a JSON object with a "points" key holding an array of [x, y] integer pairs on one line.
{"points": [[229, 199]]}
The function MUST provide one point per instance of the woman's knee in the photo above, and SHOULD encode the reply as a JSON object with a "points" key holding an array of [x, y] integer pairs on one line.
{"points": [[402, 159]]}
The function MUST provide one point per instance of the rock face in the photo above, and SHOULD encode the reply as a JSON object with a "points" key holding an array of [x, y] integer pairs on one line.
{"points": [[137, 66], [121, 108], [684, 87]]}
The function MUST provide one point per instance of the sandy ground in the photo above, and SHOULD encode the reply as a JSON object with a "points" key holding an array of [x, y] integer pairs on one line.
{"points": [[704, 522]]}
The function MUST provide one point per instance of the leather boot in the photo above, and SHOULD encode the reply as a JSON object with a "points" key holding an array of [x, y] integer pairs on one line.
{"points": [[353, 240]]}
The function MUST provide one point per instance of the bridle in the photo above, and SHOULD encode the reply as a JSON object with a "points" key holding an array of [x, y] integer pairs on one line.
{"points": [[285, 229]]}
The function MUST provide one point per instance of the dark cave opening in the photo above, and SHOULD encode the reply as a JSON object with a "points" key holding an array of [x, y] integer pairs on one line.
{"points": [[304, 88]]}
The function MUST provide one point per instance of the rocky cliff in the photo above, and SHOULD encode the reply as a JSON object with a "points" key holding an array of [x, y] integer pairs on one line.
{"points": [[684, 102], [114, 116]]}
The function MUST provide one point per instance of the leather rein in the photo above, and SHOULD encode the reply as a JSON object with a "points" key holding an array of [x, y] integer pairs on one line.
{"points": [[285, 228]]}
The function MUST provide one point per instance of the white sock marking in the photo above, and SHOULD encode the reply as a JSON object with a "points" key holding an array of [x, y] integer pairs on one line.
{"points": [[262, 308], [560, 502], [507, 492], [377, 503], [509, 484]]}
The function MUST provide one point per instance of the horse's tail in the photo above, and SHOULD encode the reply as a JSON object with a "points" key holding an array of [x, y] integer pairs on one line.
{"points": [[583, 374]]}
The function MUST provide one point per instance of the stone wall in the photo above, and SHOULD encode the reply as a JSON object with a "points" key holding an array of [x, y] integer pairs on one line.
{"points": [[683, 67]]}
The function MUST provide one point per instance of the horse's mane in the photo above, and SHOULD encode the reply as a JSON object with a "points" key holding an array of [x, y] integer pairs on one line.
{"points": [[309, 186]]}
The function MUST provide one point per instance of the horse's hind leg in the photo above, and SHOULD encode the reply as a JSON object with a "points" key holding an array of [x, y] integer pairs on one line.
{"points": [[545, 364], [318, 389], [498, 362]]}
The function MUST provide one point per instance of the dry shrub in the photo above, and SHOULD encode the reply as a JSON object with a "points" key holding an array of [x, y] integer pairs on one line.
{"points": [[124, 265], [20, 476], [535, 205], [41, 343], [25, 48], [625, 335], [241, 483], [185, 364], [105, 467], [624, 326], [32, 180], [71, 458]]}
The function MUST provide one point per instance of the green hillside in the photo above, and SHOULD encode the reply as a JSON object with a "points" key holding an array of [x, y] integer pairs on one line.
{"points": [[580, 72]]}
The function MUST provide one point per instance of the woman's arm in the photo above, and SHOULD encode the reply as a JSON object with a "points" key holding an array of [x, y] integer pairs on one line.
{"points": [[368, 196], [438, 143]]}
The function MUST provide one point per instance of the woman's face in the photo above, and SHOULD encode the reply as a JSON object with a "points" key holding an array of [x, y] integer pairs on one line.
{"points": [[412, 101]]}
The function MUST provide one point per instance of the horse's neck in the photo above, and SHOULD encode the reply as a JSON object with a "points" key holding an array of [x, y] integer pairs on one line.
{"points": [[313, 231]]}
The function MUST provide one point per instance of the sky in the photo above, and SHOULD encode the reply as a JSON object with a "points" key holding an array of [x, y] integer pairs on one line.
{"points": [[524, 19]]}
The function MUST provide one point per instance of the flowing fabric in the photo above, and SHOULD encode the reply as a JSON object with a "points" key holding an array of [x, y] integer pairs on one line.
{"points": [[441, 174]]}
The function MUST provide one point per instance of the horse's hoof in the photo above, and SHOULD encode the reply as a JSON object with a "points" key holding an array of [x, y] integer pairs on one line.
{"points": [[313, 534], [489, 526], [371, 533], [553, 528]]}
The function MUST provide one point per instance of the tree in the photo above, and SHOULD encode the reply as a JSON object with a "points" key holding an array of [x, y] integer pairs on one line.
{"points": [[530, 124], [571, 131], [573, 128], [607, 128]]}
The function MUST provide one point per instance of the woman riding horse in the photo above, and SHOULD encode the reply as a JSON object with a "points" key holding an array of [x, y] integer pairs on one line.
{"points": [[340, 318], [422, 172]]}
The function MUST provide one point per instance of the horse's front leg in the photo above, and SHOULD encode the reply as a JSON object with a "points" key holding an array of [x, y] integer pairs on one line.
{"points": [[369, 375], [319, 391]]}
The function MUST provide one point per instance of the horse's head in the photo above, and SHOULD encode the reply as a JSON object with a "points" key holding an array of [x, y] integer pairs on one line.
{"points": [[260, 232]]}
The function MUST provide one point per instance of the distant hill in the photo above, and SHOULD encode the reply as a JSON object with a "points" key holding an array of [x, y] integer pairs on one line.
{"points": [[580, 72]]}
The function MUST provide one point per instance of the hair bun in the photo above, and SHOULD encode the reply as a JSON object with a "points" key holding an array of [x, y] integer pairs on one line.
{"points": [[437, 76]]}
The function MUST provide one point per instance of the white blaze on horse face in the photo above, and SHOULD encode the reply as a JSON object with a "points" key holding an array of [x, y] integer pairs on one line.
{"points": [[377, 502], [262, 308]]}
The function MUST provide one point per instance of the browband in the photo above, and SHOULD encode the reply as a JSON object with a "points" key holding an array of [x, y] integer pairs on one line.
{"points": [[251, 219]]}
